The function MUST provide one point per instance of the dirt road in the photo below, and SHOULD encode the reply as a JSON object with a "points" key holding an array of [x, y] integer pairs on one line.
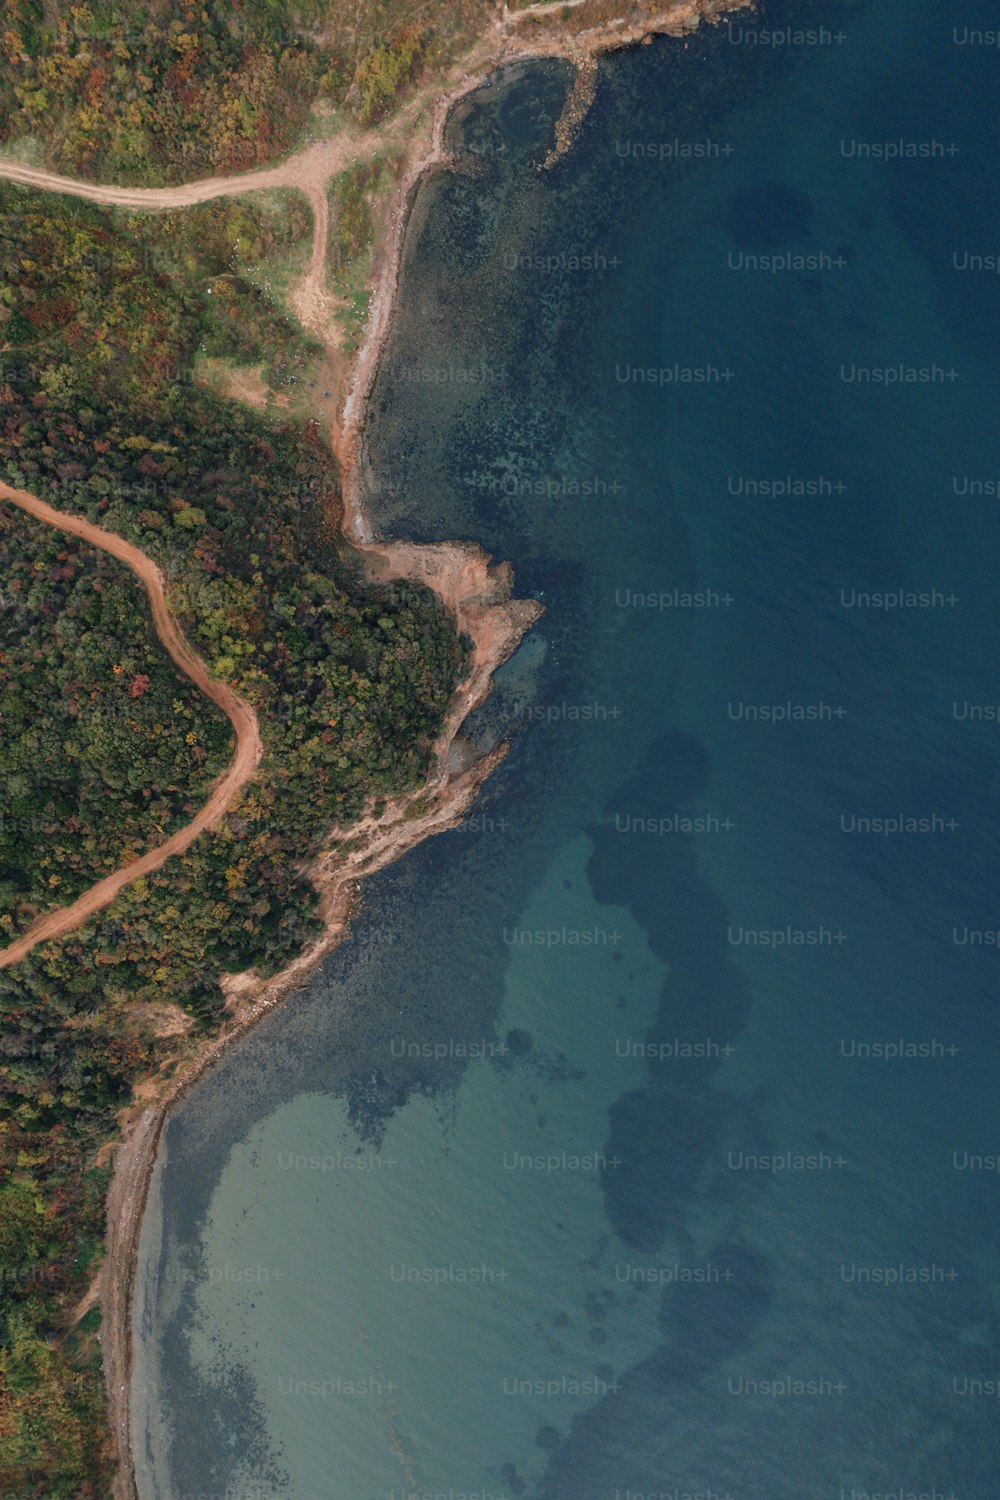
{"points": [[459, 574], [308, 171], [242, 717]]}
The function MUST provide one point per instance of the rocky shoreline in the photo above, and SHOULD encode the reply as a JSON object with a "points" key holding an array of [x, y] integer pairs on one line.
{"points": [[480, 598]]}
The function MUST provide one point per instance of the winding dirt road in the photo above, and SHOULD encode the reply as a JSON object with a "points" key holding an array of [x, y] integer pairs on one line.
{"points": [[244, 763], [460, 574], [308, 171]]}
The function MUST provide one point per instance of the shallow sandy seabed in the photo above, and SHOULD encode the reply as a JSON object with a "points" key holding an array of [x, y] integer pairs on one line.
{"points": [[479, 596]]}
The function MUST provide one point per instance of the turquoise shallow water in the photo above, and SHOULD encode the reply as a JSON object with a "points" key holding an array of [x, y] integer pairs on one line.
{"points": [[641, 1140]]}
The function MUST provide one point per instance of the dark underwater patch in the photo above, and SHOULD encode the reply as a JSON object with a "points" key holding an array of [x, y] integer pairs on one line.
{"points": [[769, 216]]}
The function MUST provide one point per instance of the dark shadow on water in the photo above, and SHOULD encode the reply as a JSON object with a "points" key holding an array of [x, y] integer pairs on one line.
{"points": [[665, 1134], [769, 217], [628, 1432]]}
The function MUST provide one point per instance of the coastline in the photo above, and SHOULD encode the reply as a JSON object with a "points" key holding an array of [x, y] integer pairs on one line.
{"points": [[480, 597]]}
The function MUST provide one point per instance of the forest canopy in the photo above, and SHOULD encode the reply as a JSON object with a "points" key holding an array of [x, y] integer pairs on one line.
{"points": [[164, 92], [102, 317]]}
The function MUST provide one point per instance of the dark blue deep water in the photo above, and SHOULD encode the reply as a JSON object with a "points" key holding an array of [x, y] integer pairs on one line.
{"points": [[643, 1139]]}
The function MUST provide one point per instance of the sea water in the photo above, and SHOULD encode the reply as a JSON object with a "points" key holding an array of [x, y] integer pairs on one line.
{"points": [[642, 1138]]}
